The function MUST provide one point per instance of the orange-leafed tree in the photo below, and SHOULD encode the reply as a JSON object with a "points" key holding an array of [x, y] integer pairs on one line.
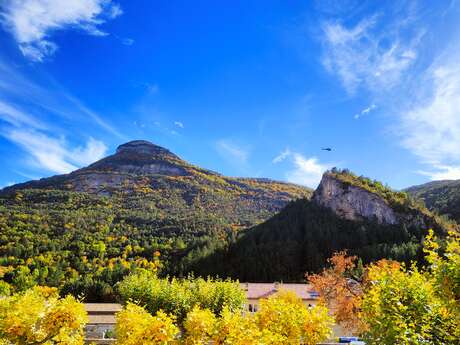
{"points": [[340, 289]]}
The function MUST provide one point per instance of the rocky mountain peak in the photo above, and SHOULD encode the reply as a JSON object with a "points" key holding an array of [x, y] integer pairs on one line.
{"points": [[142, 147], [352, 202]]}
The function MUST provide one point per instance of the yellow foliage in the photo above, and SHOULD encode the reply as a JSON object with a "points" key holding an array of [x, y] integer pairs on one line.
{"points": [[199, 326], [39, 316], [282, 319], [236, 329], [135, 326], [288, 320]]}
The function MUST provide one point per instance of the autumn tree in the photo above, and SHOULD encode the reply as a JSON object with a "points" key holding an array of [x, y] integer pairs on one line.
{"points": [[340, 289], [39, 316], [401, 306]]}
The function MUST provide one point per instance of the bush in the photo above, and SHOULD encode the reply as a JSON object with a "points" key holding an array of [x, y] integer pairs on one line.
{"points": [[178, 296], [200, 326], [135, 326], [39, 316], [282, 319], [287, 320], [402, 307]]}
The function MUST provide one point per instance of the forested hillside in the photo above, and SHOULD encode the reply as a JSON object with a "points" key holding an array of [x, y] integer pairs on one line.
{"points": [[84, 231], [440, 196], [301, 237]]}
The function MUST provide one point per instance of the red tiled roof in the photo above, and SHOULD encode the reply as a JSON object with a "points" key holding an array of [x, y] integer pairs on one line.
{"points": [[264, 290]]}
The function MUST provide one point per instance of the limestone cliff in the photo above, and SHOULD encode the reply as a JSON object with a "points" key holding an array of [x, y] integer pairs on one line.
{"points": [[352, 202]]}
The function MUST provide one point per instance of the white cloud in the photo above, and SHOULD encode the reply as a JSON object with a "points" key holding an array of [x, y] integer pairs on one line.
{"points": [[16, 90], [416, 80], [23, 121], [443, 173], [54, 154], [431, 127], [17, 118], [365, 111], [127, 41], [93, 151], [178, 124], [364, 56], [32, 22], [282, 156], [305, 171], [233, 151]]}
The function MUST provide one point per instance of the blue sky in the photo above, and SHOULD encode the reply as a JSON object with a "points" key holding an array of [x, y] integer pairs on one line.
{"points": [[245, 88]]}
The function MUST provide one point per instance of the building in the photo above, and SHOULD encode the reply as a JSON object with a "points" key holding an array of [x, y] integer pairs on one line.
{"points": [[258, 291], [101, 321]]}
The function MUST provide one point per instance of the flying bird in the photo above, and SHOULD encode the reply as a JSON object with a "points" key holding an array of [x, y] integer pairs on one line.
{"points": [[326, 149]]}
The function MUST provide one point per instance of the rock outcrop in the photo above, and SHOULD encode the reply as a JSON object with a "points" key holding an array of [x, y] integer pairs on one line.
{"points": [[353, 203]]}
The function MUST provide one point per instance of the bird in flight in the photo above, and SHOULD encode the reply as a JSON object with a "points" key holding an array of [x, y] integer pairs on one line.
{"points": [[326, 149]]}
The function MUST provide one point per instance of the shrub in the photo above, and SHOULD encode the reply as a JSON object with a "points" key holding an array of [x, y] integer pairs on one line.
{"points": [[237, 329], [401, 307], [178, 296], [286, 318], [199, 326], [135, 326], [282, 319], [39, 316]]}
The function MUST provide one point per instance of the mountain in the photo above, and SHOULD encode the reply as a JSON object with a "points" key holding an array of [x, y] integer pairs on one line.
{"points": [[142, 168], [85, 230], [440, 196], [346, 212]]}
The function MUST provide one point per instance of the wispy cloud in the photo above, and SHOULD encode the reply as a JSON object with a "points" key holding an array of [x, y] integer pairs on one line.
{"points": [[55, 154], [365, 111], [361, 55], [393, 60], [18, 93], [31, 22], [430, 128], [24, 120], [178, 124], [127, 41], [230, 150], [304, 171], [282, 156]]}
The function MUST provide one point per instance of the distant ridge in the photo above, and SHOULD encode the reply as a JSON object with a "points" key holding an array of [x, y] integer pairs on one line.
{"points": [[440, 196]]}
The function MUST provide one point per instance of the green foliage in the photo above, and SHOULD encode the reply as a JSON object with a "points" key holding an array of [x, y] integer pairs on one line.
{"points": [[402, 307], [5, 288], [84, 243], [397, 199], [445, 272], [303, 235], [179, 296], [440, 196]]}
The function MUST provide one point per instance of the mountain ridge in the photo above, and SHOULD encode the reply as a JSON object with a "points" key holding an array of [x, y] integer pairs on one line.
{"points": [[441, 196], [302, 236], [84, 231]]}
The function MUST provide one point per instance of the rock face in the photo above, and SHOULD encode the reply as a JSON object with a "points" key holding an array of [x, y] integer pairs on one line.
{"points": [[141, 157], [353, 203]]}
